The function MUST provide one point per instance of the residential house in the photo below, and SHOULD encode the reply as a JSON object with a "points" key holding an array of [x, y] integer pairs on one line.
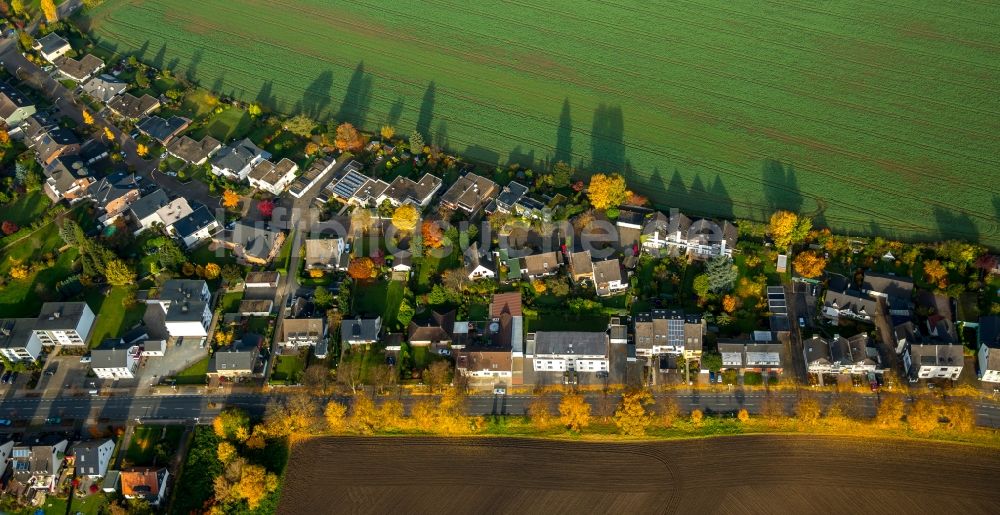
{"points": [[678, 235], [761, 353], [478, 265], [49, 140], [329, 254], [240, 359], [18, 341], [840, 355], [934, 360], [302, 332], [64, 323], [470, 193], [436, 332], [508, 198], [236, 160], [130, 107], [172, 212], [113, 195], [402, 261], [192, 151], [608, 277], [38, 463], [668, 331], [79, 70], [262, 280], [356, 188], [186, 307], [115, 359], [897, 291], [67, 177], [561, 351], [103, 88], [162, 130], [91, 458], [360, 331], [256, 307], [144, 209], [989, 348], [52, 46], [15, 108], [312, 176], [581, 266], [403, 190], [148, 483], [495, 364], [535, 266], [507, 323], [849, 304], [252, 244], [198, 226], [271, 177]]}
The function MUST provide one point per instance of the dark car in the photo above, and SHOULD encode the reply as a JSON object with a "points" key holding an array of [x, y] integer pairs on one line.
{"points": [[6, 378]]}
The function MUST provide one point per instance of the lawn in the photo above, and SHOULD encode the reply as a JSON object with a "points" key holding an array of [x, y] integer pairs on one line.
{"points": [[288, 369], [89, 505], [112, 317], [151, 444], [431, 267], [231, 124], [820, 108], [230, 302], [381, 298], [26, 209], [195, 374], [561, 321]]}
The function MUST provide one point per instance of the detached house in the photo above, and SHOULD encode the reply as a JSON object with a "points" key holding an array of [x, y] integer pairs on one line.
{"points": [[403, 190], [115, 359], [989, 349], [113, 195], [162, 130], [196, 227], [437, 331], [186, 307], [470, 193], [849, 304], [67, 177], [271, 177], [52, 46], [15, 108], [49, 140], [608, 277], [241, 359], [81, 70], [144, 209], [897, 291], [356, 188], [360, 331], [328, 254], [91, 458], [536, 266], [313, 175], [664, 331], [478, 265], [104, 87], [130, 107], [192, 151], [934, 360], [236, 160], [148, 483], [38, 463], [581, 266], [251, 244]]}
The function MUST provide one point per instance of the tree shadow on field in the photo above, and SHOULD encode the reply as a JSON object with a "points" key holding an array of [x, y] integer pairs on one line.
{"points": [[172, 65], [564, 136], [781, 187], [160, 57], [316, 98], [395, 111], [607, 145], [481, 154], [955, 225], [219, 82], [140, 54], [520, 157], [441, 135], [724, 203], [192, 67], [265, 96], [357, 97], [427, 111]]}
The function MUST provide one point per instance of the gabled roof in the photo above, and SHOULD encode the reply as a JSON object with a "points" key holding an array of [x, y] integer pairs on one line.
{"points": [[888, 285], [511, 194], [15, 332], [199, 218], [403, 189], [86, 456], [240, 357], [470, 192], [308, 328], [257, 242], [271, 173], [50, 43], [544, 263], [104, 87], [149, 204], [439, 328], [989, 331], [57, 316], [472, 259], [143, 481], [79, 70], [128, 106], [509, 303], [193, 151], [11, 99], [571, 343], [237, 155], [360, 329], [324, 252], [162, 130]]}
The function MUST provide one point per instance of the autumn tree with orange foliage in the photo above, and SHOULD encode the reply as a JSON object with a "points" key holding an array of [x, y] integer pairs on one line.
{"points": [[809, 264], [935, 272], [50, 11], [433, 236], [635, 199], [87, 117], [348, 138], [230, 199], [362, 268], [787, 228], [729, 303]]}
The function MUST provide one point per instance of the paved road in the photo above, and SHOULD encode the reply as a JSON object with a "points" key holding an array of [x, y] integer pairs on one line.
{"points": [[124, 408]]}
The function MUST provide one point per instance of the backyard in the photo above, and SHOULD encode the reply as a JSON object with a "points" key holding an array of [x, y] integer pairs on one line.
{"points": [[194, 374], [153, 444], [113, 318]]}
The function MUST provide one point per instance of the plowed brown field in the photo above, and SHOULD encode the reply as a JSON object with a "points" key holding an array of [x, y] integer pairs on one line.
{"points": [[756, 474]]}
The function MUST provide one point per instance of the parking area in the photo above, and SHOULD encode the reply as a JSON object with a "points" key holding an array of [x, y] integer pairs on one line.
{"points": [[180, 354], [63, 374]]}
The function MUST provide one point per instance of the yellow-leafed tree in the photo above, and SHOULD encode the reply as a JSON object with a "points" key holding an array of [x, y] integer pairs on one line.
{"points": [[348, 138], [809, 264], [607, 190], [230, 199], [387, 132], [631, 416], [50, 11], [574, 412], [405, 218], [87, 117]]}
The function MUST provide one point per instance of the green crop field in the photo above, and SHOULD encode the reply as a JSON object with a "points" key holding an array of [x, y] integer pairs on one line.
{"points": [[872, 116]]}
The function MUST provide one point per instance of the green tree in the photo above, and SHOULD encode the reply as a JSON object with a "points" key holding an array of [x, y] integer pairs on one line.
{"points": [[711, 361], [405, 314], [416, 143], [721, 273], [702, 286], [118, 273], [323, 298], [300, 125]]}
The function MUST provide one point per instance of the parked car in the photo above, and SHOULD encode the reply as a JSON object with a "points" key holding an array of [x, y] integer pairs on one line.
{"points": [[85, 359], [6, 378], [5, 422], [53, 420], [50, 372], [500, 390]]}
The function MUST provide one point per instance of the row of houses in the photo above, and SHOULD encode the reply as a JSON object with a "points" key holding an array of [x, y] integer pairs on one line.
{"points": [[35, 466]]}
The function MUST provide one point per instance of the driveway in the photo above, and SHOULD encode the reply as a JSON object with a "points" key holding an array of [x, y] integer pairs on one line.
{"points": [[180, 355]]}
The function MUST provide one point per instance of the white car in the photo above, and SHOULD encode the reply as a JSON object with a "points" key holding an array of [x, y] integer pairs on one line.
{"points": [[500, 390]]}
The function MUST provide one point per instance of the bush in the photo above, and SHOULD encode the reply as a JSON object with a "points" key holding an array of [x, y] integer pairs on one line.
{"points": [[752, 378]]}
